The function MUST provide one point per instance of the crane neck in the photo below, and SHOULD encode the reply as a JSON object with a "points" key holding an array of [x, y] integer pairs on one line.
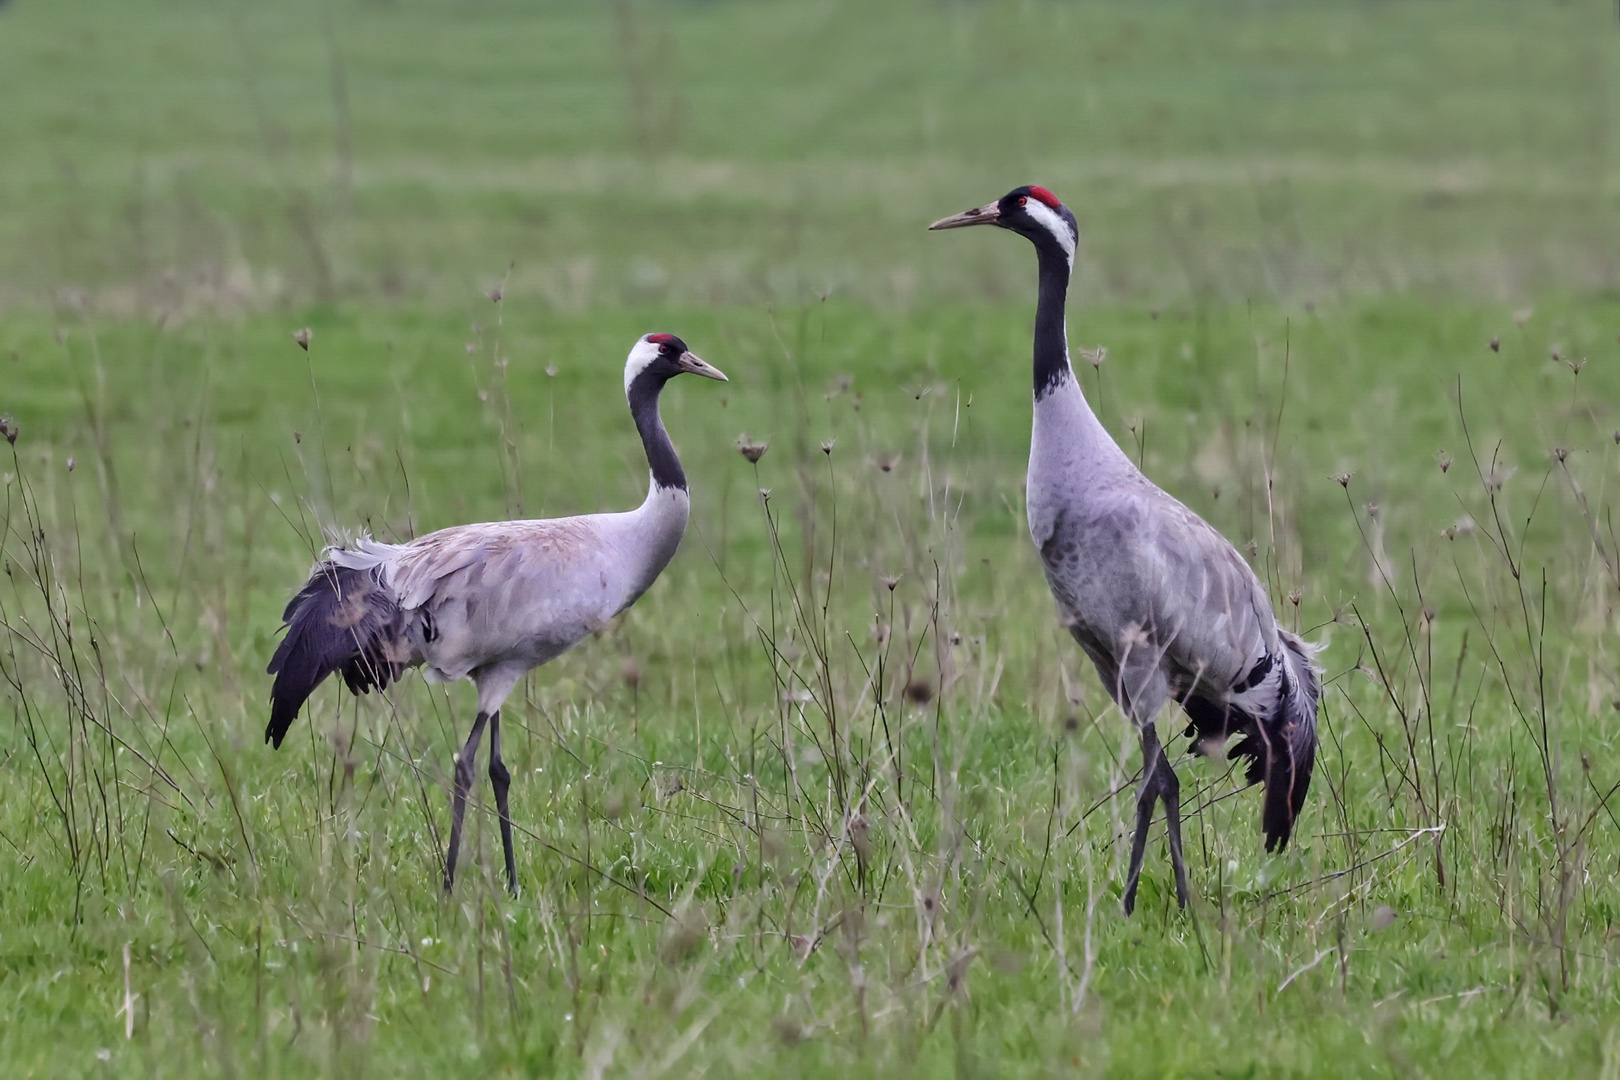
{"points": [[661, 460], [1051, 338]]}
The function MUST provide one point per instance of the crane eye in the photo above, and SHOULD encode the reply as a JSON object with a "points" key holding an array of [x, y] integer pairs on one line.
{"points": [[1022, 201]]}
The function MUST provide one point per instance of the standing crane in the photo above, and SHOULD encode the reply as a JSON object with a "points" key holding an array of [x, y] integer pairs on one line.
{"points": [[488, 602], [1162, 604]]}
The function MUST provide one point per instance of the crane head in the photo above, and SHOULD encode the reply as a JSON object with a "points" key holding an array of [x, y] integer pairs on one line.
{"points": [[1031, 211], [662, 357]]}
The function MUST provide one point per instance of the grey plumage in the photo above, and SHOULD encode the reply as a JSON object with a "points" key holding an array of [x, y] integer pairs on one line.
{"points": [[491, 601], [1162, 604]]}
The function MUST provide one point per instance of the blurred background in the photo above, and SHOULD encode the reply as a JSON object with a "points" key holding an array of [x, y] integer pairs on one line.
{"points": [[182, 156]]}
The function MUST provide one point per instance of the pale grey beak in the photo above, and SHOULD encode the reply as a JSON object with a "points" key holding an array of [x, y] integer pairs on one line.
{"points": [[984, 215], [690, 363]]}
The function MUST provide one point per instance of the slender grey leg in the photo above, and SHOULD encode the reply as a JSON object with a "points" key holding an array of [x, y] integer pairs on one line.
{"points": [[458, 798], [1159, 782], [1170, 792], [1147, 794], [501, 779]]}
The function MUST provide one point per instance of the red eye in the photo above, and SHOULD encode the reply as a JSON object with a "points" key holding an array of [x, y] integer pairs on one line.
{"points": [[1022, 201]]}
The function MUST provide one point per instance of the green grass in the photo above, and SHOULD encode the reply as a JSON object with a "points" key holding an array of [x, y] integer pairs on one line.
{"points": [[1304, 225]]}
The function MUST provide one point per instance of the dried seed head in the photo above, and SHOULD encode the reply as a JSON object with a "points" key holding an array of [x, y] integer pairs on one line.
{"points": [[826, 446], [1251, 547], [1372, 510], [494, 292], [1577, 366], [668, 784], [1295, 596], [890, 581], [1496, 343], [302, 337], [860, 837], [1559, 453], [1342, 479], [551, 371], [1523, 315], [750, 449], [298, 437], [1096, 356], [8, 428], [765, 494], [70, 464], [919, 691], [1445, 461], [886, 462], [685, 935]]}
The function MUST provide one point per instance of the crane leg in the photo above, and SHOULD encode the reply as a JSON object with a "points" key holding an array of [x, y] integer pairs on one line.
{"points": [[1159, 782], [1170, 794], [458, 798], [501, 779]]}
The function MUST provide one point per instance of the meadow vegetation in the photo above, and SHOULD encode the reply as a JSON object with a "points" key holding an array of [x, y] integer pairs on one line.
{"points": [[838, 795]]}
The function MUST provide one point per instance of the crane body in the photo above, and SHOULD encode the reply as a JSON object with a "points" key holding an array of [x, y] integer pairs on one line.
{"points": [[491, 601], [1162, 604]]}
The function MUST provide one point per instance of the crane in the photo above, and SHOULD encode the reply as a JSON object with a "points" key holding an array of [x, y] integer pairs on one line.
{"points": [[488, 602], [1163, 605]]}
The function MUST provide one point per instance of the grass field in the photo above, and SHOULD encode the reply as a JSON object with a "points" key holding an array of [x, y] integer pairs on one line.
{"points": [[838, 796]]}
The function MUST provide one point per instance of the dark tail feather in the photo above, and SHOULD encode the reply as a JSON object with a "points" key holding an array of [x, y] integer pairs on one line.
{"points": [[1282, 747], [344, 620]]}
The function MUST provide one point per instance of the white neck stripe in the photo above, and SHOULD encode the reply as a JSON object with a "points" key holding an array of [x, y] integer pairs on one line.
{"points": [[1053, 222], [644, 353]]}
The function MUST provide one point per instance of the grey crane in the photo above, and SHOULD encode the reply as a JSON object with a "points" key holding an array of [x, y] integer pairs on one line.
{"points": [[1165, 608], [488, 602]]}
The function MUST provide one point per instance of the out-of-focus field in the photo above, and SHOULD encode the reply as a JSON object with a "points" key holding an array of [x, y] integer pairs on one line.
{"points": [[837, 796]]}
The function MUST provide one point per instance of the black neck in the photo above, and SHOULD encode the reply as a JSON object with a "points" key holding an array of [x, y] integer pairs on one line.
{"points": [[1051, 345], [661, 459]]}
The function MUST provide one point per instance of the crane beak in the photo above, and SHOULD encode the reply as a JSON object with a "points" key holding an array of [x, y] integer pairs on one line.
{"points": [[989, 214], [690, 363]]}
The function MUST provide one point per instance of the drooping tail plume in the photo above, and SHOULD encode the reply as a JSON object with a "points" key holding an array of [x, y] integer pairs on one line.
{"points": [[1279, 740], [1282, 748], [343, 619]]}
